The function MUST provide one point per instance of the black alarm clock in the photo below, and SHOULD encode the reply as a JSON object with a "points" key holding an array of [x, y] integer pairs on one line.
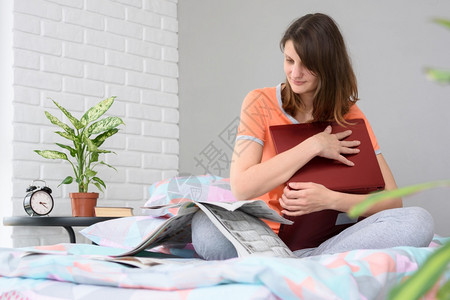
{"points": [[38, 200]]}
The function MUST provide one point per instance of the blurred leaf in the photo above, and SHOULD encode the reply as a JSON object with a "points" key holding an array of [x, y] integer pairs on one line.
{"points": [[441, 76], [444, 292], [374, 198], [97, 111], [443, 22], [425, 278]]}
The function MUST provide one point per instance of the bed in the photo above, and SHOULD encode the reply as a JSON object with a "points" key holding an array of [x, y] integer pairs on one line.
{"points": [[77, 271]]}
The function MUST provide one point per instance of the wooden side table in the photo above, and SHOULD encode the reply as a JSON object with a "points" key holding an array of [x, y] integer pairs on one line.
{"points": [[66, 222]]}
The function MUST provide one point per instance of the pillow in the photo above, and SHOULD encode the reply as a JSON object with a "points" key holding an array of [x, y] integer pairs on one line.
{"points": [[207, 188], [127, 233]]}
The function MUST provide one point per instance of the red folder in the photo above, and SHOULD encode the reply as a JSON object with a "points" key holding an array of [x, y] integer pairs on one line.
{"points": [[364, 177]]}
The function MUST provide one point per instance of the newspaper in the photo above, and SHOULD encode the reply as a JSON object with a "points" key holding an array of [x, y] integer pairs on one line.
{"points": [[143, 262], [238, 221], [149, 260]]}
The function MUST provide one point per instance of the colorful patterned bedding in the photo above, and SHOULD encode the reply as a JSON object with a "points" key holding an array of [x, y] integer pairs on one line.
{"points": [[68, 273]]}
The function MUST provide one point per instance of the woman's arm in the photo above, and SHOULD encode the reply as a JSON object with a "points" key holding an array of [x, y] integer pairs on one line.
{"points": [[251, 178], [310, 197]]}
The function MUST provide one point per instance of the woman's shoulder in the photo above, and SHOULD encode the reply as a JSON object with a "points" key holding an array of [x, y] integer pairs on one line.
{"points": [[354, 112], [262, 95], [269, 92]]}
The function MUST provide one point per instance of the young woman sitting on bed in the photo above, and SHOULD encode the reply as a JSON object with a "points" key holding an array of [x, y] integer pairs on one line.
{"points": [[320, 86]]}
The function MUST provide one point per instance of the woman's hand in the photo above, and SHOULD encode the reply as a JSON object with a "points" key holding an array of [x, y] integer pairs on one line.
{"points": [[300, 198], [331, 145]]}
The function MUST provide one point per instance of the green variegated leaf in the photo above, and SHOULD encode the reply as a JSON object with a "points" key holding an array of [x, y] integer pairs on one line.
{"points": [[443, 22], [425, 278], [90, 173], [98, 141], [91, 146], [57, 122], [96, 179], [72, 151], [104, 125], [51, 154], [67, 180], [105, 151], [66, 135], [372, 199], [69, 116], [103, 163], [94, 157], [98, 186], [441, 76], [97, 111]]}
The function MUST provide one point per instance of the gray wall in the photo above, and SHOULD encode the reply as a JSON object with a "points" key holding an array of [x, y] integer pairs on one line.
{"points": [[228, 48]]}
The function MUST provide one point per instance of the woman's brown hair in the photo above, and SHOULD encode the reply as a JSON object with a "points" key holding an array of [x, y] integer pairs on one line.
{"points": [[319, 44]]}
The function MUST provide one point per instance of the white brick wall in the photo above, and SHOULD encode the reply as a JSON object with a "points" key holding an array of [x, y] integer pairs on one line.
{"points": [[79, 52]]}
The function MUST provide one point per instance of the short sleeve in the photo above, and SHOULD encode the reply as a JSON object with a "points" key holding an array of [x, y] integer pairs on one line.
{"points": [[356, 113], [252, 121]]}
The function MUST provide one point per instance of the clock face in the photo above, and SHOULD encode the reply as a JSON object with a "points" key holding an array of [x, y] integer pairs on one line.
{"points": [[41, 203]]}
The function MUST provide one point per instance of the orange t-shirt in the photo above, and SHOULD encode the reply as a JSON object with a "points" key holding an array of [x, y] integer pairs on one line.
{"points": [[261, 109]]}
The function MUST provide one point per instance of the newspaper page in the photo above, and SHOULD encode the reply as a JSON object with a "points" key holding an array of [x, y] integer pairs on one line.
{"points": [[246, 232], [132, 261], [257, 208], [144, 262], [238, 221], [176, 230]]}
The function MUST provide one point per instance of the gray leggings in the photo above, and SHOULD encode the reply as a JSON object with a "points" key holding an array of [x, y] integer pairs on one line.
{"points": [[408, 226]]}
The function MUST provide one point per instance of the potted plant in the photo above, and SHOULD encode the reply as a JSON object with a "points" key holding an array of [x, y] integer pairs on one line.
{"points": [[85, 136]]}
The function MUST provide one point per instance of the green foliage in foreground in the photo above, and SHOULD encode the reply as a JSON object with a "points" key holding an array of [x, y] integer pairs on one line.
{"points": [[426, 277]]}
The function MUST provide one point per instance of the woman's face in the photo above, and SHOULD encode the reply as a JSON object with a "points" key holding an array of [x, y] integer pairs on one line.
{"points": [[302, 80]]}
